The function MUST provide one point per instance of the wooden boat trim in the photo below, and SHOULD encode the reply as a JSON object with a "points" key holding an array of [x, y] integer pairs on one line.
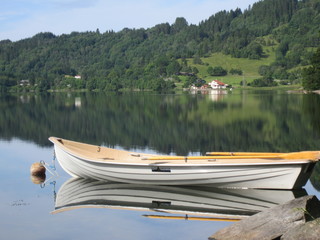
{"points": [[215, 219], [200, 216]]}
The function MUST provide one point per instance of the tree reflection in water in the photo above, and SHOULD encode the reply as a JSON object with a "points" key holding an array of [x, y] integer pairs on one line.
{"points": [[179, 124]]}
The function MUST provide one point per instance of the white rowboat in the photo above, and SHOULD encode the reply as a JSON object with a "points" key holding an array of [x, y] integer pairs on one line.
{"points": [[227, 170]]}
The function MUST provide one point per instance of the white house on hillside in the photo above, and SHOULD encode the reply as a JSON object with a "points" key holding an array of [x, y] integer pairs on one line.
{"points": [[215, 84]]}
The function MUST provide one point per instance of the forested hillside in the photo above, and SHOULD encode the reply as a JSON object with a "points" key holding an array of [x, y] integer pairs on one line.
{"points": [[153, 58]]}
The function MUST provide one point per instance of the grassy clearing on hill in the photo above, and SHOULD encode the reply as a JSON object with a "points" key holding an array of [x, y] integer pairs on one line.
{"points": [[249, 67]]}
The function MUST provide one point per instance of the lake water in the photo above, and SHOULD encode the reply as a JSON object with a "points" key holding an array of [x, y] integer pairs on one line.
{"points": [[183, 124]]}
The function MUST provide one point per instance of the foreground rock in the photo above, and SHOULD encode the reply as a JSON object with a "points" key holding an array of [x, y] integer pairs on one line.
{"points": [[297, 219]]}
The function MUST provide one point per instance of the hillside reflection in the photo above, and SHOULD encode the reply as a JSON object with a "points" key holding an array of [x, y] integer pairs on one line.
{"points": [[180, 124]]}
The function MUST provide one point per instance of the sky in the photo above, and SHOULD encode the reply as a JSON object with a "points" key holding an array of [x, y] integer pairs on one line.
{"points": [[21, 19]]}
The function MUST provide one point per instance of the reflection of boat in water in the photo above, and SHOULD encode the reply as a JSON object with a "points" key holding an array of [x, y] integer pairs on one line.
{"points": [[221, 169], [191, 200]]}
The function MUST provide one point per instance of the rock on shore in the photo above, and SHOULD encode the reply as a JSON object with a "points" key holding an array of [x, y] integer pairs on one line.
{"points": [[297, 219]]}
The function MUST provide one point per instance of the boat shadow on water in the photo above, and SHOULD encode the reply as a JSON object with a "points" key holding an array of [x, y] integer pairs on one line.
{"points": [[190, 202]]}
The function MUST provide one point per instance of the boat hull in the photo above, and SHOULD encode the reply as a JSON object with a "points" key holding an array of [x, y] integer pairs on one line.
{"points": [[289, 175]]}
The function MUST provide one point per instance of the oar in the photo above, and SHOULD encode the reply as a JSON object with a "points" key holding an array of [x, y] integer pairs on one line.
{"points": [[241, 154], [193, 218], [307, 155]]}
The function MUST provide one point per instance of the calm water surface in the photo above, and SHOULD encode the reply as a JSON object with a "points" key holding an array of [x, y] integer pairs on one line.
{"points": [[167, 124]]}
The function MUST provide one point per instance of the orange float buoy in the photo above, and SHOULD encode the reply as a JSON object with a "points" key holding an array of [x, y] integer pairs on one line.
{"points": [[37, 169]]}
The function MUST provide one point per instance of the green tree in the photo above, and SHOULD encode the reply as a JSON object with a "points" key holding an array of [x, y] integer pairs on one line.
{"points": [[189, 81], [311, 75], [266, 81], [217, 71], [173, 67], [254, 51], [234, 71], [180, 24]]}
